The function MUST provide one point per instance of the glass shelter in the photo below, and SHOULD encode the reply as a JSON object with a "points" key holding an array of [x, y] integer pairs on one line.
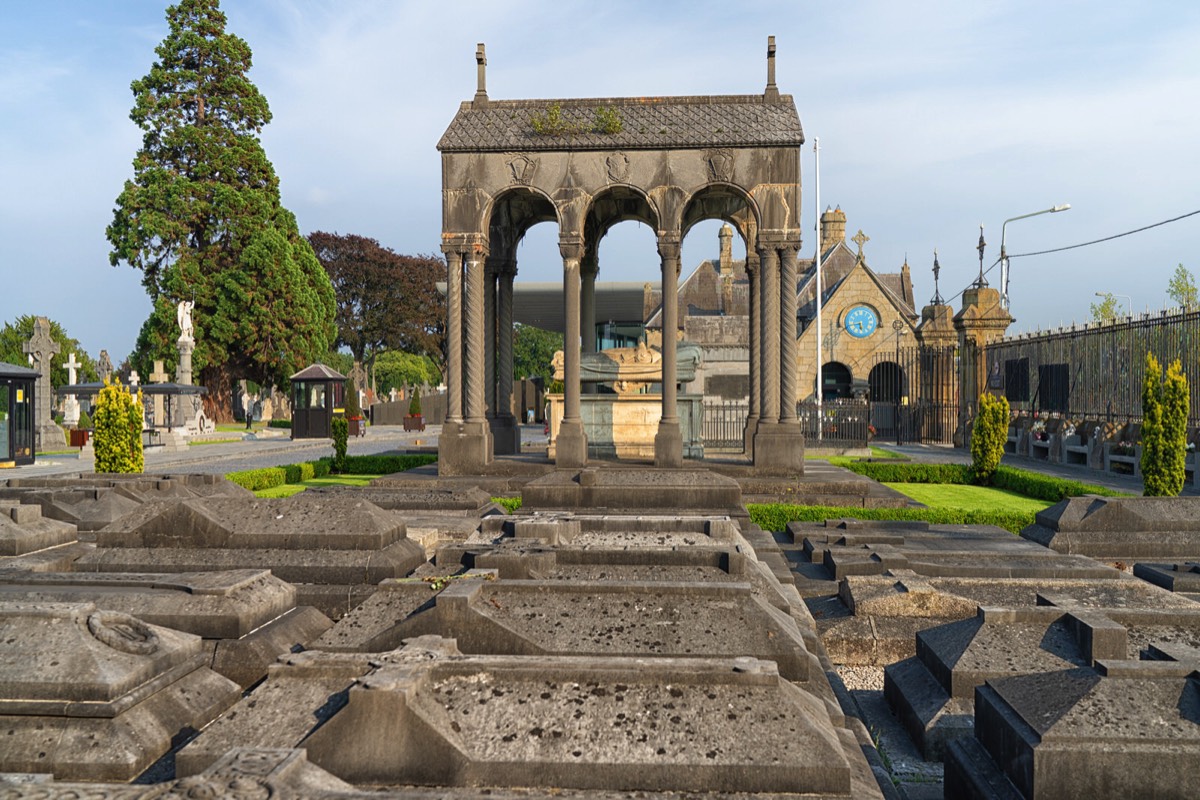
{"points": [[16, 414]]}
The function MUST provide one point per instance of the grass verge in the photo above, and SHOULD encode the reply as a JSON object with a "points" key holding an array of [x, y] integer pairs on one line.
{"points": [[289, 489], [969, 498]]}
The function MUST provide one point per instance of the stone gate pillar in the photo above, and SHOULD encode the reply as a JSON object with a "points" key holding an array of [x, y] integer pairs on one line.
{"points": [[668, 442], [983, 320], [571, 442]]}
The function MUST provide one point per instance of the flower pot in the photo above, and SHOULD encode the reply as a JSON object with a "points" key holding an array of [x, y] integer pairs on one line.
{"points": [[79, 438], [414, 423], [357, 426]]}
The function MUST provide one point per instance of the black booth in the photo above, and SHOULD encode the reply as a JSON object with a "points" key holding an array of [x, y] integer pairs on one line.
{"points": [[316, 393], [16, 414]]}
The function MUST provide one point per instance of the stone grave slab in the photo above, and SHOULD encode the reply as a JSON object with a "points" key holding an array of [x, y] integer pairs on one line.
{"points": [[331, 547], [89, 694], [1125, 529], [662, 724], [91, 501], [625, 489], [23, 529], [246, 617], [1180, 577], [1123, 729]]}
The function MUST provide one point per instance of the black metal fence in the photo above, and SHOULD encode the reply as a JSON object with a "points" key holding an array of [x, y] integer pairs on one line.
{"points": [[914, 395], [1095, 371], [840, 423]]}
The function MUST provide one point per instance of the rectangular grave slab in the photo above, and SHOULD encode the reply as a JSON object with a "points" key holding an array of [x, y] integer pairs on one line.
{"points": [[1125, 729], [1126, 529], [23, 529], [249, 617], [623, 489], [88, 694], [304, 540], [709, 725]]}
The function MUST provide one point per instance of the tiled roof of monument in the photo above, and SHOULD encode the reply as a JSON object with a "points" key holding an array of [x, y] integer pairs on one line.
{"points": [[318, 372], [647, 123]]}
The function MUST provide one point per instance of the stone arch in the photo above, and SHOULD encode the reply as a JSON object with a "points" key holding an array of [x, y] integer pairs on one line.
{"points": [[512, 212], [726, 201], [838, 380]]}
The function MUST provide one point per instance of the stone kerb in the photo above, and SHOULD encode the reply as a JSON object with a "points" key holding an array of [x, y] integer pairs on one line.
{"points": [[23, 529], [75, 675], [1120, 528]]}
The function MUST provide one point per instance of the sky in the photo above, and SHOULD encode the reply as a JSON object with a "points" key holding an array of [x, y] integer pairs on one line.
{"points": [[933, 118]]}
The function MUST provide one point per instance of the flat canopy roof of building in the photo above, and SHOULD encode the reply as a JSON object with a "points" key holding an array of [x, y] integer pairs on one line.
{"points": [[16, 371], [540, 304]]}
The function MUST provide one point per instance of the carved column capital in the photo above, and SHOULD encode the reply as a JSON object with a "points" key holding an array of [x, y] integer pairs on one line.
{"points": [[669, 247], [571, 248]]}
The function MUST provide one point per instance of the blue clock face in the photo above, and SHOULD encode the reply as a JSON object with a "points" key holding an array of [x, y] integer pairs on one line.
{"points": [[861, 321]]}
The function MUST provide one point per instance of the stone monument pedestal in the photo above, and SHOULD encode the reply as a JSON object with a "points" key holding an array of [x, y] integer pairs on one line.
{"points": [[778, 449], [506, 436], [464, 448]]}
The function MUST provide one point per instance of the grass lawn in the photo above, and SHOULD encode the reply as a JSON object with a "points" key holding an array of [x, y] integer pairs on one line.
{"points": [[970, 498], [289, 489]]}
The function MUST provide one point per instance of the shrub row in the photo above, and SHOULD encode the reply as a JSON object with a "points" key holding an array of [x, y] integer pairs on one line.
{"points": [[270, 477], [279, 423], [776, 516], [386, 465], [1030, 484]]}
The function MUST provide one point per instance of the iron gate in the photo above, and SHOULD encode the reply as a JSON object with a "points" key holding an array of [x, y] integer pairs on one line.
{"points": [[914, 395]]}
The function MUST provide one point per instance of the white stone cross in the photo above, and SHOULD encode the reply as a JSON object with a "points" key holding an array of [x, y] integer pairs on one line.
{"points": [[133, 379], [71, 366], [159, 375]]}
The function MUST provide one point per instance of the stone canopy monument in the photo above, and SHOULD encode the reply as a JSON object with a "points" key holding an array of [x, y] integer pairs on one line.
{"points": [[668, 162]]}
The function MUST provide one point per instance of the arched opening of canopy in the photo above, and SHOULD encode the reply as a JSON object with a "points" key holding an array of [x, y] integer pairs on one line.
{"points": [[629, 257]]}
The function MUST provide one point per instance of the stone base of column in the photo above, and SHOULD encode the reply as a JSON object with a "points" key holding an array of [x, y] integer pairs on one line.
{"points": [[778, 449], [668, 446], [570, 446], [748, 435], [464, 448], [49, 437], [506, 435]]}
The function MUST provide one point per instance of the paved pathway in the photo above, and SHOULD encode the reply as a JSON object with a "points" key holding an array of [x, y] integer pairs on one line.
{"points": [[273, 451]]}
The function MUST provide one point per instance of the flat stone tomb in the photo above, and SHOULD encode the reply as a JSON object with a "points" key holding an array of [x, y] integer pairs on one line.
{"points": [[1122, 729], [933, 692], [702, 725], [91, 501], [23, 529], [1127, 529], [246, 617], [623, 489], [310, 541], [1180, 577], [88, 694]]}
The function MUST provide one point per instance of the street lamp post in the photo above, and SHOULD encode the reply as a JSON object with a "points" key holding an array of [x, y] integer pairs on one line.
{"points": [[1004, 253], [1128, 300]]}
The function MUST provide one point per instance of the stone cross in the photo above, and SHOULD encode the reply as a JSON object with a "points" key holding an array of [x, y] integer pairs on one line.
{"points": [[70, 404], [134, 379], [860, 239], [159, 375], [41, 348]]}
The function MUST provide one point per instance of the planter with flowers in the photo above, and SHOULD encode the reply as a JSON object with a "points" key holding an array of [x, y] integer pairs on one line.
{"points": [[414, 421]]}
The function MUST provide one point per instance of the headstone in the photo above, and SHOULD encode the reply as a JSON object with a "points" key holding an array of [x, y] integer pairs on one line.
{"points": [[41, 348], [159, 375], [104, 366], [70, 404]]}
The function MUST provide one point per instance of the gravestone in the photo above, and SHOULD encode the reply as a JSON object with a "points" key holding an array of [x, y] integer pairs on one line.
{"points": [[41, 348], [104, 366], [70, 404]]}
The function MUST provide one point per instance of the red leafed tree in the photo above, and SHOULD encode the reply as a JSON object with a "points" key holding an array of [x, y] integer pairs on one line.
{"points": [[385, 301]]}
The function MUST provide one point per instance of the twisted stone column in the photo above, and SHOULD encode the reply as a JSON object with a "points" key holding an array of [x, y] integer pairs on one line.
{"points": [[473, 345], [571, 443], [787, 332], [489, 337], [505, 345], [454, 409], [668, 442], [769, 257], [754, 275]]}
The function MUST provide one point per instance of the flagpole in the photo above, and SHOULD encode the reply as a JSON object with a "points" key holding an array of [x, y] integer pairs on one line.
{"points": [[817, 266]]}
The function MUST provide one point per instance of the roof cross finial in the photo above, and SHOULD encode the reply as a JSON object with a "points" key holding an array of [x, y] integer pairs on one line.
{"points": [[771, 95], [860, 239], [481, 97]]}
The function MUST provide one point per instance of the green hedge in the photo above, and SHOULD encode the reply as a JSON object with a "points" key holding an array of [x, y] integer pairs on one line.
{"points": [[776, 516], [386, 465], [279, 423], [1030, 484], [255, 479]]}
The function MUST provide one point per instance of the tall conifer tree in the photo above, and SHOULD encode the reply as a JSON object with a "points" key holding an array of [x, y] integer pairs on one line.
{"points": [[202, 217]]}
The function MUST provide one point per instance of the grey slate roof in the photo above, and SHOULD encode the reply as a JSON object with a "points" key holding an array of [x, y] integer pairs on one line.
{"points": [[318, 372], [17, 371], [647, 123]]}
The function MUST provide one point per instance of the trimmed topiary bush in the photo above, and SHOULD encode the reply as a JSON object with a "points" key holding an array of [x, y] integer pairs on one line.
{"points": [[255, 479], [988, 437], [118, 430], [1164, 429], [341, 434], [85, 421], [414, 405]]}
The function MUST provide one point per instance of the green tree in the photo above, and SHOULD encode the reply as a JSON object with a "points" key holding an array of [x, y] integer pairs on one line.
{"points": [[397, 370], [1164, 429], [16, 333], [988, 437], [1182, 288], [533, 349], [1106, 309], [118, 430], [202, 218]]}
